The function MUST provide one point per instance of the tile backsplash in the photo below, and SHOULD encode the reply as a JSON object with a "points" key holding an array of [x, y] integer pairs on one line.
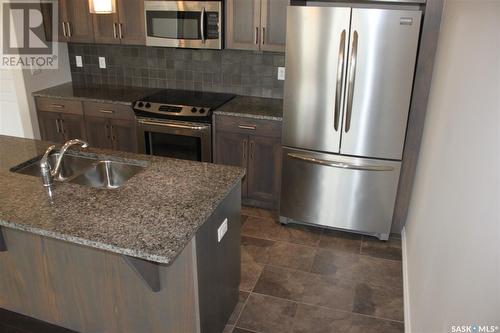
{"points": [[240, 72]]}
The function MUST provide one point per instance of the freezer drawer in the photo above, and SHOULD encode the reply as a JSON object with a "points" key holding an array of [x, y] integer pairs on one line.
{"points": [[356, 194]]}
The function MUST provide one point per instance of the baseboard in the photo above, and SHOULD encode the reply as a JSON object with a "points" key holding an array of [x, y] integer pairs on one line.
{"points": [[406, 287]]}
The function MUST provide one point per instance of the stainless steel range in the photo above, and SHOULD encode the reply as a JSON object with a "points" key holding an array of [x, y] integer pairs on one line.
{"points": [[178, 123]]}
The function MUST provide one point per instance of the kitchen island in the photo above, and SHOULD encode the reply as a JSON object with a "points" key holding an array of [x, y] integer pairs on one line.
{"points": [[144, 257]]}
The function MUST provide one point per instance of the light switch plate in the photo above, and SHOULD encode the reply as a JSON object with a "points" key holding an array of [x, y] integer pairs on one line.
{"points": [[79, 62], [222, 230], [281, 73], [102, 62]]}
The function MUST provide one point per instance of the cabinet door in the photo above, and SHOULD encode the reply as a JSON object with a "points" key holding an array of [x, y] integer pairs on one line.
{"points": [[131, 20], [50, 127], [61, 22], [264, 168], [73, 127], [124, 135], [99, 132], [106, 28], [232, 149], [79, 21], [273, 25], [243, 24]]}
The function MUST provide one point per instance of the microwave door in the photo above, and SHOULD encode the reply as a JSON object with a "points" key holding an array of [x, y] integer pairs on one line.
{"points": [[192, 25]]}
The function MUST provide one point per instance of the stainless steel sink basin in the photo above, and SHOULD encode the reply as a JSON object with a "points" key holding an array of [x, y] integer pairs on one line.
{"points": [[107, 174], [70, 166], [82, 170]]}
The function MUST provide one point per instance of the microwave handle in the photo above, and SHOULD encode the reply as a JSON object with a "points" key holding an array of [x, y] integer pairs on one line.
{"points": [[202, 25]]}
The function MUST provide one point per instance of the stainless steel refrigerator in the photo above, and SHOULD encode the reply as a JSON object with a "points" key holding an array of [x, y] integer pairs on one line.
{"points": [[349, 77]]}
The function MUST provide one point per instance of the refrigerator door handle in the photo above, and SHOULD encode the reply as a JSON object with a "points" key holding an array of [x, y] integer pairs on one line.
{"points": [[352, 78], [340, 80], [341, 165]]}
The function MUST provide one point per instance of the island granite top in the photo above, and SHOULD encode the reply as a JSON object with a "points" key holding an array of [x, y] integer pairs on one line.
{"points": [[253, 107], [97, 93], [153, 216]]}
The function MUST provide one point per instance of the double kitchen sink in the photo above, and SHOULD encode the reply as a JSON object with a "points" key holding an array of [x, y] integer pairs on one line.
{"points": [[83, 170]]}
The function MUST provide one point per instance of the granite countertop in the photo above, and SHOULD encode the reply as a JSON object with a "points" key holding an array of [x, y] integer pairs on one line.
{"points": [[253, 107], [99, 93], [153, 216]]}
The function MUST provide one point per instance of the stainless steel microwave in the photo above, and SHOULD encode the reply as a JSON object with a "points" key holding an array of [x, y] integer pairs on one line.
{"points": [[186, 24]]}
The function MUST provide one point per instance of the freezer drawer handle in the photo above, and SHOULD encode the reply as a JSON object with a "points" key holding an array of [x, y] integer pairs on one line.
{"points": [[340, 81], [341, 165], [352, 79]]}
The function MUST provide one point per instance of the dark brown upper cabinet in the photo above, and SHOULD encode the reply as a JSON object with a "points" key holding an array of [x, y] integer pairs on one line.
{"points": [[256, 24], [125, 26], [75, 22]]}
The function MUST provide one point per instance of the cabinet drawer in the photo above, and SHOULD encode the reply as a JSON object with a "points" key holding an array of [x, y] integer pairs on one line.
{"points": [[108, 110], [58, 105], [260, 127]]}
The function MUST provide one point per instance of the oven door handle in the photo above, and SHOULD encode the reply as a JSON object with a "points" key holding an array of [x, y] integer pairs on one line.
{"points": [[173, 125]]}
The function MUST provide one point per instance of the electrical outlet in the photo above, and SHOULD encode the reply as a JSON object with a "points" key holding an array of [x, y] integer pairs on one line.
{"points": [[222, 230], [79, 62], [102, 62], [281, 73]]}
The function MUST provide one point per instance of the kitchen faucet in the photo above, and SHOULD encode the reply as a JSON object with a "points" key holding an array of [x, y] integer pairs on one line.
{"points": [[46, 171]]}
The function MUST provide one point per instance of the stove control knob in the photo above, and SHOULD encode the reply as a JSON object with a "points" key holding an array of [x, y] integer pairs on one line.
{"points": [[202, 110], [141, 104], [148, 105], [193, 110]]}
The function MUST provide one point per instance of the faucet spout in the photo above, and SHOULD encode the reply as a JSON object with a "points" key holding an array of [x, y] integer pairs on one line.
{"points": [[47, 172], [65, 147]]}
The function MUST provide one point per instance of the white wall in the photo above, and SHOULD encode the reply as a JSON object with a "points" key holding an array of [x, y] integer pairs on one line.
{"points": [[17, 107], [452, 235]]}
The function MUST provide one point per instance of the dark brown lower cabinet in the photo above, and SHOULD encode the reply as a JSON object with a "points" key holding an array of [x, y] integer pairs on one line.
{"points": [[114, 134], [256, 146], [232, 149], [61, 127], [264, 168]]}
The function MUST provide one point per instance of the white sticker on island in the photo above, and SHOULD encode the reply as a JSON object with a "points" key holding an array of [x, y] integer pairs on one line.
{"points": [[222, 230]]}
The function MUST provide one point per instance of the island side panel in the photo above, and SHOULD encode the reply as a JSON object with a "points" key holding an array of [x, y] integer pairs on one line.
{"points": [[89, 290], [219, 264]]}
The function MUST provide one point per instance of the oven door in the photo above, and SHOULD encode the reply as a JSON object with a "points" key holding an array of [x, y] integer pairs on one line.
{"points": [[185, 24], [176, 139]]}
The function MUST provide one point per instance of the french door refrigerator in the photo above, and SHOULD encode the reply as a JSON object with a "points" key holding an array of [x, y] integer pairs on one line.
{"points": [[349, 77]]}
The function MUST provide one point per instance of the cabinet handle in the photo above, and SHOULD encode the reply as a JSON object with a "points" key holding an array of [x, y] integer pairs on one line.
{"points": [[248, 127], [106, 111], [120, 30], [57, 106], [251, 150], [70, 33], [61, 122], [115, 34], [245, 143], [113, 137], [257, 35], [58, 128], [263, 35], [107, 132], [65, 34]]}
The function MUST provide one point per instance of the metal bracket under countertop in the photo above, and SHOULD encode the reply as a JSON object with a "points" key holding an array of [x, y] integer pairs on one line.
{"points": [[148, 271], [3, 244]]}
